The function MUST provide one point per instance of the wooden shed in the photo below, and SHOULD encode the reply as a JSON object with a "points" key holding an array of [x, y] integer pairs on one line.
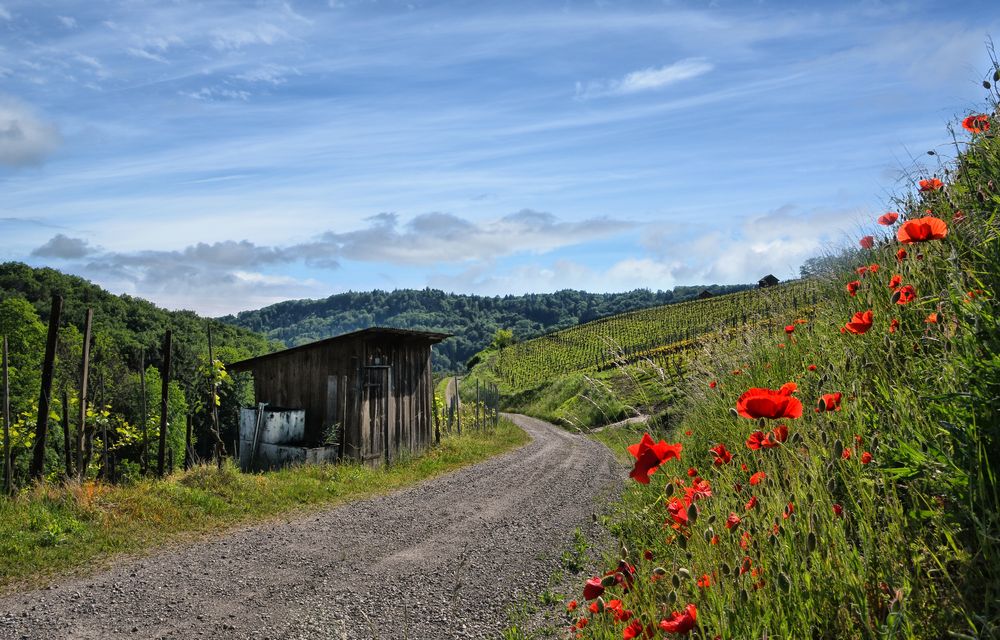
{"points": [[705, 295], [370, 391], [767, 281]]}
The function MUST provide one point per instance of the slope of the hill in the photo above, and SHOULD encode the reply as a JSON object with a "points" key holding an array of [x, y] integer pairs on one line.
{"points": [[609, 369], [472, 320]]}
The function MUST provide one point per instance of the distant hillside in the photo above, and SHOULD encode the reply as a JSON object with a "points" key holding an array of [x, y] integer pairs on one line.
{"points": [[472, 319]]}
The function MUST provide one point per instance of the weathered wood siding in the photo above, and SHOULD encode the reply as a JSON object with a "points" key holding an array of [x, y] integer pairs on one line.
{"points": [[378, 389]]}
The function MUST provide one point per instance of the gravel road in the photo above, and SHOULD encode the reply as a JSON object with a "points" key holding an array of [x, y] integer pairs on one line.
{"points": [[444, 559]]}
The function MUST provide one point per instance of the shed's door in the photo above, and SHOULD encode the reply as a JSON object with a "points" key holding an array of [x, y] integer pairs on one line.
{"points": [[375, 397]]}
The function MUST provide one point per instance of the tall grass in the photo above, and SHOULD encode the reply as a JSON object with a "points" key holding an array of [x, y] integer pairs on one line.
{"points": [[830, 544]]}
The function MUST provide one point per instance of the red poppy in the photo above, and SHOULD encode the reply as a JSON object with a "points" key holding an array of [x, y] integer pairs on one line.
{"points": [[736, 372], [758, 439], [811, 367], [581, 623], [722, 455], [678, 511], [894, 325], [922, 230], [712, 384], [746, 565], [758, 403], [636, 629], [979, 123], [692, 472], [933, 318], [900, 255], [866, 457], [862, 270], [649, 456], [705, 580], [846, 454], [852, 287], [732, 521], [931, 184], [838, 510], [593, 588], [829, 402], [906, 294], [751, 503], [867, 242], [958, 217], [789, 328], [681, 623], [698, 490], [860, 323], [873, 268], [757, 478], [887, 219], [789, 510], [895, 281]]}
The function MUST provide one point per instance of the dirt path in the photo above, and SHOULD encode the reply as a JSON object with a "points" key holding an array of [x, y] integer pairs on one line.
{"points": [[443, 559]]}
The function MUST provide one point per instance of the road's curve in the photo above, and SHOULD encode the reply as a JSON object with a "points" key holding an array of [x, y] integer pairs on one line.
{"points": [[443, 559]]}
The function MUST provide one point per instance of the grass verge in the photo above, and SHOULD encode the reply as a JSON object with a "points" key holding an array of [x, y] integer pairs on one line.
{"points": [[52, 529]]}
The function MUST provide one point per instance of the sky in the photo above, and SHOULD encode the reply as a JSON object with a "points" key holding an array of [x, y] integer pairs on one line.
{"points": [[222, 156]]}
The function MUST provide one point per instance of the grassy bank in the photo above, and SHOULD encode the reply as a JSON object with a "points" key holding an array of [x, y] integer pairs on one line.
{"points": [[52, 529], [877, 514]]}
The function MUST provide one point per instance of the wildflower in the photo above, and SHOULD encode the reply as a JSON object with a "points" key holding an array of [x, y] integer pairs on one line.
{"points": [[887, 219], [722, 455], [636, 629], [681, 623], [705, 581], [979, 123], [714, 540], [838, 510], [649, 456], [931, 184], [698, 490], [866, 457], [972, 295], [593, 588], [873, 268], [678, 511], [867, 242], [757, 478], [922, 230], [933, 318], [900, 255], [751, 503], [746, 565], [895, 281], [758, 403], [581, 623], [571, 605], [958, 217], [860, 323], [852, 287], [692, 472], [758, 439], [829, 402], [905, 294], [811, 367], [862, 270], [712, 384], [846, 455], [894, 325], [789, 328], [732, 521], [789, 510], [737, 372]]}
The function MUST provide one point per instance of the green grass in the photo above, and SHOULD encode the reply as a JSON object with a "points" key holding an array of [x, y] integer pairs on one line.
{"points": [[51, 529], [915, 551]]}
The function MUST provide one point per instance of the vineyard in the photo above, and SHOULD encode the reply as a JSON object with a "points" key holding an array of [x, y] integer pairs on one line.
{"points": [[661, 335]]}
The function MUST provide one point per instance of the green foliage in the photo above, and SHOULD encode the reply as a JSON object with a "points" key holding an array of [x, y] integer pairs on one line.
{"points": [[473, 320]]}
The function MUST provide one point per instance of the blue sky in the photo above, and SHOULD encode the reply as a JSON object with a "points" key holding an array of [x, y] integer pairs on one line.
{"points": [[222, 156]]}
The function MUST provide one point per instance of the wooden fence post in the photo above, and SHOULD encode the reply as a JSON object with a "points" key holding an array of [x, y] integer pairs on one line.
{"points": [[458, 407], [165, 389], [42, 427], [220, 448], [81, 425], [478, 400], [67, 448], [144, 455], [187, 443], [8, 475]]}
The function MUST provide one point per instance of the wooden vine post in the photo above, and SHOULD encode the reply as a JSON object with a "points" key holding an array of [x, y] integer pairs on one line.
{"points": [[144, 456], [67, 448], [81, 425], [48, 365], [220, 447], [8, 475], [161, 458]]}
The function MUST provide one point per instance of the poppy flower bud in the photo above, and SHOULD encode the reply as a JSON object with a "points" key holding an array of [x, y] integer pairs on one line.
{"points": [[659, 571], [725, 569], [986, 84], [682, 542], [599, 604], [675, 580], [894, 299], [692, 513], [624, 552], [734, 412], [821, 406], [838, 449], [684, 573], [672, 597], [811, 542], [744, 596], [709, 533], [669, 489], [996, 76], [784, 583], [610, 581]]}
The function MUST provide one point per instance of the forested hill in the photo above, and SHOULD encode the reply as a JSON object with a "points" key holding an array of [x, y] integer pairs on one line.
{"points": [[472, 319]]}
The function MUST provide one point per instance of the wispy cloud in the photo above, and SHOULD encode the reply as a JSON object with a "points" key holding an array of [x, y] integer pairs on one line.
{"points": [[649, 79], [67, 21], [64, 248], [4, 13]]}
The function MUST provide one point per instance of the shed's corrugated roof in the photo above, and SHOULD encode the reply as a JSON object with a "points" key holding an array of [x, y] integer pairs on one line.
{"points": [[429, 336]]}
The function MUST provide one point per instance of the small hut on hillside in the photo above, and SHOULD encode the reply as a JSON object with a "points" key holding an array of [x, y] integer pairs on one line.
{"points": [[366, 395], [767, 281], [705, 294]]}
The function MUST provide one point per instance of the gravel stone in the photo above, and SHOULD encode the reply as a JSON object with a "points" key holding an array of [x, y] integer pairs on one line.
{"points": [[446, 558]]}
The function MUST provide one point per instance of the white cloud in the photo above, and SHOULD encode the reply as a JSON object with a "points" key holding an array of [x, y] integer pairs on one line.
{"points": [[67, 21], [217, 93], [646, 79], [4, 13], [236, 38], [136, 52], [25, 139], [269, 73]]}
